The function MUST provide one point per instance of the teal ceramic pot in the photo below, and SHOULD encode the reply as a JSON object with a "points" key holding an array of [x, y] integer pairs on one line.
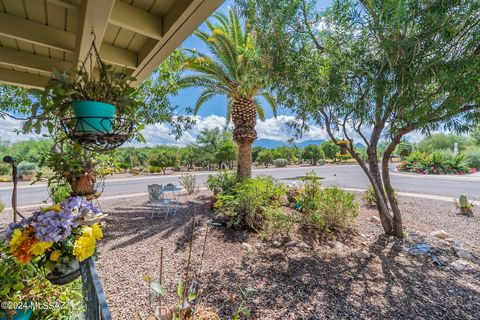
{"points": [[95, 117], [20, 315]]}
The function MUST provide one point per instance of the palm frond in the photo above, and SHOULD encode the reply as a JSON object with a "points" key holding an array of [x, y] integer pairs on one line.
{"points": [[260, 110], [270, 100], [204, 97]]}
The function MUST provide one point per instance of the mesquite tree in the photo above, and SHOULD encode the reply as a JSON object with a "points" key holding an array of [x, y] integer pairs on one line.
{"points": [[372, 70]]}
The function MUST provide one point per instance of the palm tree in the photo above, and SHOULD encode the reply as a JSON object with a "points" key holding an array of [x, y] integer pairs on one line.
{"points": [[232, 68]]}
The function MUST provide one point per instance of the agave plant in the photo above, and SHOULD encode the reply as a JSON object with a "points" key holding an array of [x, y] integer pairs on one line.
{"points": [[232, 69]]}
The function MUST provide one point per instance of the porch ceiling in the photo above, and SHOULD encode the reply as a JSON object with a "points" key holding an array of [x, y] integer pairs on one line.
{"points": [[39, 35]]}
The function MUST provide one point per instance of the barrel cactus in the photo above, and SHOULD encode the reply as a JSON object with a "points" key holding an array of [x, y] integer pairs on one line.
{"points": [[464, 205]]}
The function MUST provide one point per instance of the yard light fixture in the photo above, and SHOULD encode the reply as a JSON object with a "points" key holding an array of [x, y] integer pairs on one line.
{"points": [[13, 162]]}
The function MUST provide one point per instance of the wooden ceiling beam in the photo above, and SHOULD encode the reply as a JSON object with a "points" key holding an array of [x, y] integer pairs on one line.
{"points": [[31, 61], [136, 20], [36, 33], [23, 79], [179, 22], [93, 16]]}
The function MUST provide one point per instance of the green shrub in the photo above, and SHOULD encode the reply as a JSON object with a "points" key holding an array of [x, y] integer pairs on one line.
{"points": [[154, 169], [189, 182], [280, 163], [335, 210], [5, 169], [250, 203], [369, 199], [223, 182], [438, 162], [26, 168], [472, 156], [310, 195]]}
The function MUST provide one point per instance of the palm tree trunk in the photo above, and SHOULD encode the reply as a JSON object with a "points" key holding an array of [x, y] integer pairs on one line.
{"points": [[244, 160], [244, 118]]}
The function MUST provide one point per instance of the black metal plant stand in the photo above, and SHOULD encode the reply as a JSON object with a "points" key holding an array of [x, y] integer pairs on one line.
{"points": [[113, 132]]}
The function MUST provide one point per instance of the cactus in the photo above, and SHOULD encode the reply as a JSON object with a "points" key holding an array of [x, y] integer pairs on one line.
{"points": [[463, 201], [464, 205]]}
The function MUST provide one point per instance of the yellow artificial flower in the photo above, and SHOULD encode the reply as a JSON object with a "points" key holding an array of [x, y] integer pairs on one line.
{"points": [[97, 231], [55, 255], [17, 239], [84, 246], [55, 207], [39, 248]]}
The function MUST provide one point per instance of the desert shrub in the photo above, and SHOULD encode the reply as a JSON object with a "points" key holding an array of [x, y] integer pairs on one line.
{"points": [[280, 163], [223, 182], [2, 206], [189, 182], [154, 169], [335, 210], [250, 203], [27, 169], [442, 141], [310, 195], [472, 156], [369, 199], [136, 170], [5, 179], [5, 169], [438, 162]]}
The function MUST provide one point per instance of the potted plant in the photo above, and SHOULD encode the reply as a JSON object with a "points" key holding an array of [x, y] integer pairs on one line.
{"points": [[93, 97], [57, 238], [77, 168], [16, 282]]}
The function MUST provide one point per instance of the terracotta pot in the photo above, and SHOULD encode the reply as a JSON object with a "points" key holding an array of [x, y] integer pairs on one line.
{"points": [[84, 185]]}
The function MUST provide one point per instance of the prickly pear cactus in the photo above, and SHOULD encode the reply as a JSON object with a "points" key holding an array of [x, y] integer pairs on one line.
{"points": [[463, 201]]}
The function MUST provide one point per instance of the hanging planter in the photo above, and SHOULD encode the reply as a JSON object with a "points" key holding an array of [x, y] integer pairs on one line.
{"points": [[58, 277], [95, 103]]}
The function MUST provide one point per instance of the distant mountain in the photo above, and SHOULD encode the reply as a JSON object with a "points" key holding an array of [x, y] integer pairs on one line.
{"points": [[269, 143], [305, 143]]}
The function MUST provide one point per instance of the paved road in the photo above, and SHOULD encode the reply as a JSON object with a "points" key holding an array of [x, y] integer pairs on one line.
{"points": [[348, 176]]}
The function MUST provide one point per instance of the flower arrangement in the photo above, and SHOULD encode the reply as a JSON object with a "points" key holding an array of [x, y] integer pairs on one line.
{"points": [[57, 237]]}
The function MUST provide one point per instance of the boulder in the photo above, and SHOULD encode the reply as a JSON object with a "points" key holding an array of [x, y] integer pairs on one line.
{"points": [[459, 265], [361, 254], [441, 234], [462, 253], [246, 247], [375, 219]]}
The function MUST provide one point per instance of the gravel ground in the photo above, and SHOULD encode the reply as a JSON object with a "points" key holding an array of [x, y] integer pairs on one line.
{"points": [[285, 281]]}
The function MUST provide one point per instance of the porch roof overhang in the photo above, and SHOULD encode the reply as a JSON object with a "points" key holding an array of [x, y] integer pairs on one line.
{"points": [[37, 36]]}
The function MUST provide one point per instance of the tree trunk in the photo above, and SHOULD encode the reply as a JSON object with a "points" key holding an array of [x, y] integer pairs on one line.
{"points": [[244, 118], [244, 160]]}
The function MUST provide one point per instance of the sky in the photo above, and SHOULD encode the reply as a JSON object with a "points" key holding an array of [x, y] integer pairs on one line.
{"points": [[211, 115]]}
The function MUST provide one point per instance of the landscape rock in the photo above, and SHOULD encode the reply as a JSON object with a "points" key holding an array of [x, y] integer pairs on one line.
{"points": [[303, 245], [247, 247], [276, 244], [339, 246], [459, 264], [441, 234], [462, 253], [292, 243], [260, 246], [375, 219], [361, 254]]}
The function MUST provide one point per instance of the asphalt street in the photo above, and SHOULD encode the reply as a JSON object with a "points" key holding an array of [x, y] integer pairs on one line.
{"points": [[346, 176]]}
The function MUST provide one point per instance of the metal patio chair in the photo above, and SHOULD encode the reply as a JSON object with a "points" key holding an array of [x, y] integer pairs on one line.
{"points": [[160, 204]]}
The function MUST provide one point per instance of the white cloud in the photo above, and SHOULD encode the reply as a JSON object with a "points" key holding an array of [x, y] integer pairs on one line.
{"points": [[8, 134]]}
